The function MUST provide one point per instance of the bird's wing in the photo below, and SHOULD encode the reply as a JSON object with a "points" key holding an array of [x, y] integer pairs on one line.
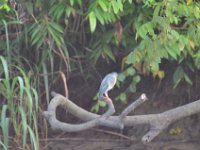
{"points": [[103, 89], [111, 80], [107, 84]]}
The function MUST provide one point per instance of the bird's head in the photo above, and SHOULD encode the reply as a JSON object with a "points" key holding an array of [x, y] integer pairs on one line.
{"points": [[114, 74]]}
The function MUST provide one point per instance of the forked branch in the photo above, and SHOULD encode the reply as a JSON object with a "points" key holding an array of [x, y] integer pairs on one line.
{"points": [[157, 122]]}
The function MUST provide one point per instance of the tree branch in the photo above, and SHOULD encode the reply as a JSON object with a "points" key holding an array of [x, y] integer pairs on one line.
{"points": [[157, 122]]}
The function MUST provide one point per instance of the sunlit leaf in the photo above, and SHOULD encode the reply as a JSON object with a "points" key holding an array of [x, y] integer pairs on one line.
{"points": [[160, 74], [92, 20], [130, 71], [189, 2], [171, 52], [115, 6], [95, 108], [99, 16], [71, 2], [102, 103], [103, 5], [136, 79], [68, 11]]}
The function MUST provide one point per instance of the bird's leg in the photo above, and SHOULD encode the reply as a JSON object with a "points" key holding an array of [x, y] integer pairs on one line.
{"points": [[111, 108]]}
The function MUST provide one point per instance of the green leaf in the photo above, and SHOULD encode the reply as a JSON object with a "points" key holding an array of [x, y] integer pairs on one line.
{"points": [[144, 29], [21, 89], [156, 11], [5, 125], [154, 65], [102, 103], [115, 6], [71, 2], [130, 57], [40, 42], [79, 2], [197, 12], [123, 97], [136, 79], [178, 76], [99, 16], [36, 99], [109, 53], [187, 79], [35, 32], [132, 87], [5, 67], [55, 34], [120, 5], [38, 38], [130, 71], [95, 108], [197, 59], [93, 21], [175, 35], [4, 6], [57, 27], [134, 57], [24, 125], [172, 51], [121, 77], [103, 5], [33, 138], [68, 11], [29, 7]]}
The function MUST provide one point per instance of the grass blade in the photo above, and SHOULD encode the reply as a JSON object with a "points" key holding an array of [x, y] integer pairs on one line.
{"points": [[5, 125], [24, 126], [34, 141], [4, 147]]}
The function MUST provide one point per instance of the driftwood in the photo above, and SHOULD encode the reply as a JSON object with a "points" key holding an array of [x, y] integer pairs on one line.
{"points": [[157, 122]]}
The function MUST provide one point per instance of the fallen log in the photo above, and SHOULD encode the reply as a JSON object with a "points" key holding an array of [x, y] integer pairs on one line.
{"points": [[157, 122]]}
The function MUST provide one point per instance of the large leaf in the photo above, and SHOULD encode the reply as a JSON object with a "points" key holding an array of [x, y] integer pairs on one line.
{"points": [[93, 21]]}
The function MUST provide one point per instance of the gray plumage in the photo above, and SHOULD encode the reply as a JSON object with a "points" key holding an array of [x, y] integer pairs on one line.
{"points": [[107, 84]]}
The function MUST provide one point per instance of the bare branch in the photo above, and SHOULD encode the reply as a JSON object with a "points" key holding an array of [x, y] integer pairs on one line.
{"points": [[50, 115], [157, 122], [132, 106], [65, 84]]}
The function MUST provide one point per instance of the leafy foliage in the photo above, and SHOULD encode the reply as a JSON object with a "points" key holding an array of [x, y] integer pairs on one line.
{"points": [[40, 38], [21, 103]]}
